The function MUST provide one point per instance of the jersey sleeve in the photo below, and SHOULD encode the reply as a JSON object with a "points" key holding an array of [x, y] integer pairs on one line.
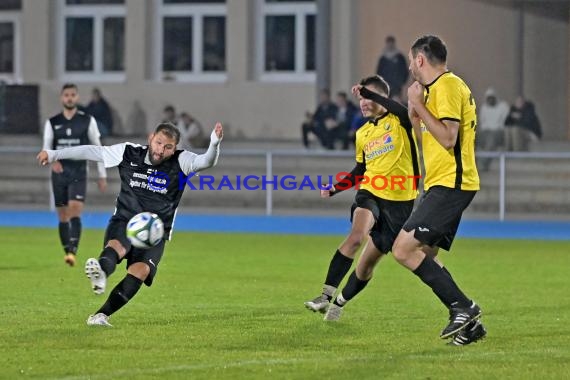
{"points": [[48, 136], [113, 154], [94, 137], [391, 106], [192, 162], [449, 102], [185, 160]]}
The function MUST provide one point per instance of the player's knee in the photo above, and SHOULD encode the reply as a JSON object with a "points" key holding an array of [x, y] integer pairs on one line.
{"points": [[400, 249], [74, 209], [364, 271], [139, 270], [355, 239], [118, 247]]}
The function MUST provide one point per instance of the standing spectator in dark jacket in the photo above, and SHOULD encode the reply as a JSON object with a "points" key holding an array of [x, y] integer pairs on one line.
{"points": [[393, 67], [100, 110], [522, 126]]}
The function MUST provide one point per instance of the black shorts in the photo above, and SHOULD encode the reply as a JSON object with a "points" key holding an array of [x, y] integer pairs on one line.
{"points": [[390, 216], [438, 214], [67, 187], [117, 229]]}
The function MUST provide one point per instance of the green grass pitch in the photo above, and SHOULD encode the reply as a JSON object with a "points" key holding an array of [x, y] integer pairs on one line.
{"points": [[230, 306]]}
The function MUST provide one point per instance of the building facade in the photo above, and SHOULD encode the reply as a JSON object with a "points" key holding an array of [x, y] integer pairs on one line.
{"points": [[251, 64]]}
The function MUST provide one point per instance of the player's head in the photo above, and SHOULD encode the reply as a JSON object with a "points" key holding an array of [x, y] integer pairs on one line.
{"points": [[69, 96], [427, 52], [376, 84], [162, 143]]}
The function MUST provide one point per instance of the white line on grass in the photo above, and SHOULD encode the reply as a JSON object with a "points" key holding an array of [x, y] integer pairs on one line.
{"points": [[192, 367]]}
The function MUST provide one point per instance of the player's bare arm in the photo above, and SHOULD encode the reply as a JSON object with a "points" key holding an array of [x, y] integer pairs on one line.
{"points": [[445, 132]]}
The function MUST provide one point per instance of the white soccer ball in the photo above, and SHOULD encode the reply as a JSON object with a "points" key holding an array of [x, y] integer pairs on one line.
{"points": [[145, 230]]}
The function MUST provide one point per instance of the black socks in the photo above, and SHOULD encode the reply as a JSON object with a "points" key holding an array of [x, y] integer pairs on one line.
{"points": [[64, 236], [441, 283], [121, 294], [338, 268], [74, 233], [351, 289], [108, 260]]}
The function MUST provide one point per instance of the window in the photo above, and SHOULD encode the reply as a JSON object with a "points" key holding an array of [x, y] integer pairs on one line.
{"points": [[11, 5], [191, 40], [287, 40], [10, 71], [92, 40]]}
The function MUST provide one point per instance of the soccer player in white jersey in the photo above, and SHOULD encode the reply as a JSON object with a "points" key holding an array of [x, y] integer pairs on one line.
{"points": [[139, 167]]}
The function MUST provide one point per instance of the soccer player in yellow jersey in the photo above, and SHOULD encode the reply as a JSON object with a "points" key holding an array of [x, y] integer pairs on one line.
{"points": [[442, 112], [385, 175]]}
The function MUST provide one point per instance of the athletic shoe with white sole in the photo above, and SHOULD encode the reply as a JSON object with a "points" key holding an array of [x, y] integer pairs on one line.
{"points": [[320, 304], [96, 275], [333, 313], [470, 334], [459, 318], [98, 319]]}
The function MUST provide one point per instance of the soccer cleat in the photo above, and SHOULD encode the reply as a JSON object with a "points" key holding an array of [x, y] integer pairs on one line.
{"points": [[459, 318], [69, 259], [321, 303], [98, 319], [470, 334], [333, 313], [96, 275]]}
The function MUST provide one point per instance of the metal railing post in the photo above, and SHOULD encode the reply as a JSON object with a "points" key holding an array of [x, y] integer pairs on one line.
{"points": [[269, 189], [502, 171]]}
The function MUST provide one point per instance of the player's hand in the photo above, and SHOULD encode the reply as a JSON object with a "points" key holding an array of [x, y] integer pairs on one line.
{"points": [[327, 191], [102, 184], [355, 90], [416, 93], [412, 113], [42, 158], [219, 131], [56, 167]]}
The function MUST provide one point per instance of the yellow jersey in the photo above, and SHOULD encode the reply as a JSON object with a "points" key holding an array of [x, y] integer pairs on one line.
{"points": [[388, 150], [449, 98]]}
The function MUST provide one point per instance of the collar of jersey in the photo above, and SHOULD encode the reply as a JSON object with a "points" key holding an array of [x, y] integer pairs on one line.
{"points": [[377, 120], [427, 86]]}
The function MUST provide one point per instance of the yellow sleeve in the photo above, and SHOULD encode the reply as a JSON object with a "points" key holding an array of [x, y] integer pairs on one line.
{"points": [[449, 102]]}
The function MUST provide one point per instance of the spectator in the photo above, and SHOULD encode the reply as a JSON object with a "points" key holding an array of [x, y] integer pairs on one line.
{"points": [[99, 108], [393, 67], [169, 115], [357, 121], [344, 116], [491, 125], [522, 126], [323, 119], [191, 133], [307, 127]]}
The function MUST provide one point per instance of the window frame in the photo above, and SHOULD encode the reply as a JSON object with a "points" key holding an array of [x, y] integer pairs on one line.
{"points": [[299, 10], [197, 12], [98, 13], [16, 75]]}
